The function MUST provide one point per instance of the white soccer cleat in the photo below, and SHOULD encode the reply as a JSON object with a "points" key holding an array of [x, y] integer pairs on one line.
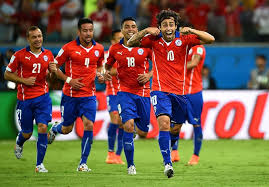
{"points": [[41, 169], [83, 168], [18, 151], [168, 170], [131, 170], [51, 134]]}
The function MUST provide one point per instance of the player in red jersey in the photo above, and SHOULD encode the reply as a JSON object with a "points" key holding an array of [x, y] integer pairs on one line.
{"points": [[29, 67], [82, 58], [169, 55], [193, 90], [134, 88], [112, 103]]}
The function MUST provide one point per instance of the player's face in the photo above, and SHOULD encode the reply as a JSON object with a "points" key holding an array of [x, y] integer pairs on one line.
{"points": [[128, 29], [117, 37], [86, 33], [168, 29], [35, 39]]}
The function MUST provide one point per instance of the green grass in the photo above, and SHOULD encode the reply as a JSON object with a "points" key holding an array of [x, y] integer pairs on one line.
{"points": [[222, 163]]}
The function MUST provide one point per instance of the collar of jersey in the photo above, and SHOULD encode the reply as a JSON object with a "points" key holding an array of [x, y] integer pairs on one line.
{"points": [[29, 49], [78, 41], [177, 34]]}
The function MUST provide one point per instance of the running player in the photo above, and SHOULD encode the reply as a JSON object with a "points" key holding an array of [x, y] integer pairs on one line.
{"points": [[82, 57], [29, 68], [193, 90], [169, 56], [134, 88], [112, 102]]}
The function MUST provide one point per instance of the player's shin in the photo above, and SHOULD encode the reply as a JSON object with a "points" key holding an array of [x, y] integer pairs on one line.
{"points": [[86, 146], [20, 139], [112, 132], [57, 128], [128, 144], [164, 143], [174, 139], [41, 146], [198, 138], [120, 141]]}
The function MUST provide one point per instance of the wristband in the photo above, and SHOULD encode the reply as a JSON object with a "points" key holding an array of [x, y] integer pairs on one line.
{"points": [[68, 79]]}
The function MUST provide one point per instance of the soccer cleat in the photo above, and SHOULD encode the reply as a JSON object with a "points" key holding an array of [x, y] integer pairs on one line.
{"points": [[118, 160], [168, 170], [83, 168], [18, 151], [175, 156], [41, 169], [110, 159], [51, 134], [131, 170], [194, 160]]}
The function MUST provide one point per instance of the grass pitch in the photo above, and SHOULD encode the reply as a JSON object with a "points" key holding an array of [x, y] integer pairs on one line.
{"points": [[222, 163]]}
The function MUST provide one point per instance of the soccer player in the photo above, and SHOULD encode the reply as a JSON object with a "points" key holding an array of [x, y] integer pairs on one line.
{"points": [[112, 102], [29, 67], [82, 57], [193, 90], [134, 90], [169, 49]]}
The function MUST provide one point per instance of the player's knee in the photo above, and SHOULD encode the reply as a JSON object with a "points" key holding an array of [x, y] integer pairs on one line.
{"points": [[129, 126], [67, 129], [42, 128], [88, 126], [176, 129], [142, 134], [27, 135], [164, 123]]}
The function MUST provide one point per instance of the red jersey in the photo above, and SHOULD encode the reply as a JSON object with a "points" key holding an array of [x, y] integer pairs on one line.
{"points": [[169, 61], [130, 63], [112, 87], [194, 81], [28, 64], [80, 62]]}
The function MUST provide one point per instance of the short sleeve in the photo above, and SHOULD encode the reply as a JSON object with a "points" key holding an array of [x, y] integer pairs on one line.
{"points": [[62, 56], [146, 41], [192, 39], [13, 63], [101, 59], [110, 59], [199, 51]]}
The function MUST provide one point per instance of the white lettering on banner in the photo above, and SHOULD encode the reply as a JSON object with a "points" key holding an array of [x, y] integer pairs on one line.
{"points": [[226, 114]]}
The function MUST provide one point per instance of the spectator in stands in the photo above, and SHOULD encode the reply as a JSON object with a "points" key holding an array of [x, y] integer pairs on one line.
{"points": [[208, 81], [216, 20], [232, 16], [24, 18], [154, 7], [103, 21], [4, 60], [197, 14], [6, 30], [261, 20], [42, 6], [71, 12], [259, 77]]}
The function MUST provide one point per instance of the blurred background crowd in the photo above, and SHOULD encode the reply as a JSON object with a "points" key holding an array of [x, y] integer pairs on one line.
{"points": [[232, 22]]}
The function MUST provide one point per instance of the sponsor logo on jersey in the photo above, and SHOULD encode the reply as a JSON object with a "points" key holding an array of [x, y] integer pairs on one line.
{"points": [[178, 42], [45, 57], [78, 52], [28, 58], [120, 53], [140, 51], [96, 53]]}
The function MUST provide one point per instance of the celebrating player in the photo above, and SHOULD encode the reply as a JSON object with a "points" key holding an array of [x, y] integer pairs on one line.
{"points": [[193, 90], [112, 102], [134, 90], [82, 57], [29, 69], [169, 56]]}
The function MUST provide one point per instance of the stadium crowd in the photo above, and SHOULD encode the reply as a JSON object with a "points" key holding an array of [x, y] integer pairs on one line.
{"points": [[227, 20]]}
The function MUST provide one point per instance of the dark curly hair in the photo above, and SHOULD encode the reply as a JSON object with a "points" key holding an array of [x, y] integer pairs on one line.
{"points": [[167, 14]]}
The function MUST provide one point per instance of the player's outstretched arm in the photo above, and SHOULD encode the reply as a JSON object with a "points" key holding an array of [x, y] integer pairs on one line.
{"points": [[135, 39], [30, 81], [205, 38]]}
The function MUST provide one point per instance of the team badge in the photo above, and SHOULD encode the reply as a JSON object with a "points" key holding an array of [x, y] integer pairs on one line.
{"points": [[45, 58], [96, 53], [140, 51], [178, 42]]}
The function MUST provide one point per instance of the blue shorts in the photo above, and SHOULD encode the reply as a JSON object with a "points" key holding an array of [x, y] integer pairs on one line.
{"points": [[178, 107], [112, 103], [135, 107], [39, 108], [73, 107]]}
